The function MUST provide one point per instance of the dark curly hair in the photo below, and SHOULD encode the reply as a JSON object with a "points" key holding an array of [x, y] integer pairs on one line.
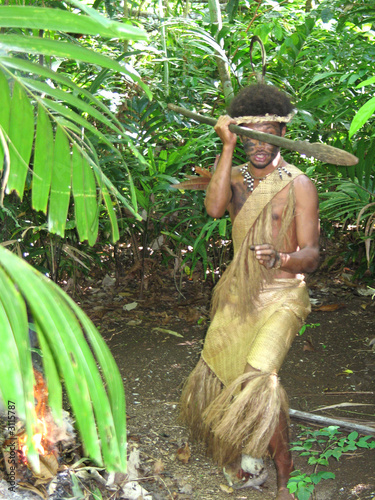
{"points": [[259, 99]]}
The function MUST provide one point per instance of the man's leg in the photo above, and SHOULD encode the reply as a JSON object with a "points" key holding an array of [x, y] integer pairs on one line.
{"points": [[279, 451]]}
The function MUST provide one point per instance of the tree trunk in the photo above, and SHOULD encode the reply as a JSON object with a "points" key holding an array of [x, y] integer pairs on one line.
{"points": [[215, 17], [164, 46]]}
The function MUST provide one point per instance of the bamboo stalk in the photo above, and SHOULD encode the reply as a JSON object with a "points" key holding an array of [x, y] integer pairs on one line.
{"points": [[322, 152], [319, 419]]}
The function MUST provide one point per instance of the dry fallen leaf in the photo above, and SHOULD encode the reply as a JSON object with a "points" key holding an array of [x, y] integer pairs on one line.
{"points": [[226, 489], [308, 346], [134, 463], [30, 487], [184, 453], [48, 468], [158, 466]]}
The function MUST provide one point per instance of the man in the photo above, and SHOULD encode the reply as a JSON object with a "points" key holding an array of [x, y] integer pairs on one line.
{"points": [[233, 399]]}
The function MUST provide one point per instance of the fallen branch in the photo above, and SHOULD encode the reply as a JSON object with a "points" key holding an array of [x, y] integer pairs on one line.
{"points": [[319, 419]]}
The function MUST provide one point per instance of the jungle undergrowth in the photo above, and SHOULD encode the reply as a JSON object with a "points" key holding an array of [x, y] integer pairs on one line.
{"points": [[319, 446]]}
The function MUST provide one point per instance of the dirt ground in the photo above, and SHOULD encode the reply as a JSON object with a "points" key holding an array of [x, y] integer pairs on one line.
{"points": [[330, 365]]}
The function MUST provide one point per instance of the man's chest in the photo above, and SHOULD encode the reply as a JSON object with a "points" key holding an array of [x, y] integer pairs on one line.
{"points": [[241, 195]]}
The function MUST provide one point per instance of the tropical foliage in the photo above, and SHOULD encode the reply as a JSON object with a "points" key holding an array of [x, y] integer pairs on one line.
{"points": [[90, 148], [62, 329], [64, 162]]}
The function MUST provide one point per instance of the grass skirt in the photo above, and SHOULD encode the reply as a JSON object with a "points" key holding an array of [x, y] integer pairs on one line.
{"points": [[229, 420]]}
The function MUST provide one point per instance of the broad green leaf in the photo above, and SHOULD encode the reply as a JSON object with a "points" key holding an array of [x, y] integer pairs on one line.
{"points": [[369, 81], [363, 114], [85, 199], [62, 20], [133, 195], [317, 477], [223, 227], [54, 48], [60, 185], [21, 136], [353, 436], [4, 112], [43, 161]]}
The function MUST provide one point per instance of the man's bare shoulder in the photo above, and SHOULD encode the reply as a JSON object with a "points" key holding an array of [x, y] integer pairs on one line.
{"points": [[305, 190], [302, 182]]}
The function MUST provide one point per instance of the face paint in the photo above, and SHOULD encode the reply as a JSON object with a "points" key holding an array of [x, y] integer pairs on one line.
{"points": [[261, 154]]}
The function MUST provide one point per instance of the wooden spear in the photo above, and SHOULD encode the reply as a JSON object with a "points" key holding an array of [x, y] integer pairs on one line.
{"points": [[323, 152]]}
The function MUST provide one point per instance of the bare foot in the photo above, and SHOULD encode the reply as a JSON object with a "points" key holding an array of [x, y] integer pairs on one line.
{"points": [[283, 494]]}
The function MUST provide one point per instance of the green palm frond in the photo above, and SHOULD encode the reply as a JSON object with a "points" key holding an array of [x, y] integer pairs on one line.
{"points": [[47, 120], [73, 351]]}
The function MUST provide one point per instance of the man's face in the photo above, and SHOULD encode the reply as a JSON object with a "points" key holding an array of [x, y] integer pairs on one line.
{"points": [[261, 154]]}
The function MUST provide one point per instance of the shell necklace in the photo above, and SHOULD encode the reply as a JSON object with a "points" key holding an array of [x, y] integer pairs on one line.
{"points": [[249, 178]]}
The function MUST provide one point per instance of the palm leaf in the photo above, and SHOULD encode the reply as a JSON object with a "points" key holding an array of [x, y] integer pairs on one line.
{"points": [[21, 133], [100, 417], [54, 48], [62, 20], [71, 111], [4, 112], [74, 102], [15, 358], [42, 171], [37, 69], [43, 144], [60, 185], [51, 375], [85, 200]]}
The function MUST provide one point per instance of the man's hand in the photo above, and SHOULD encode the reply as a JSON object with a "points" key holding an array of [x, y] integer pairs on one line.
{"points": [[222, 129], [267, 255]]}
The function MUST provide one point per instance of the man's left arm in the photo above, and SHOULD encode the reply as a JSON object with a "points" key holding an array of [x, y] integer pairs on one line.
{"points": [[306, 258]]}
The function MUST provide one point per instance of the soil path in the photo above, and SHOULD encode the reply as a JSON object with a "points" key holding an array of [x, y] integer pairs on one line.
{"points": [[330, 364]]}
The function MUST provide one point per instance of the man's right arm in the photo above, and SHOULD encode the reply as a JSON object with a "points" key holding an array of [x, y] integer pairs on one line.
{"points": [[219, 190]]}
